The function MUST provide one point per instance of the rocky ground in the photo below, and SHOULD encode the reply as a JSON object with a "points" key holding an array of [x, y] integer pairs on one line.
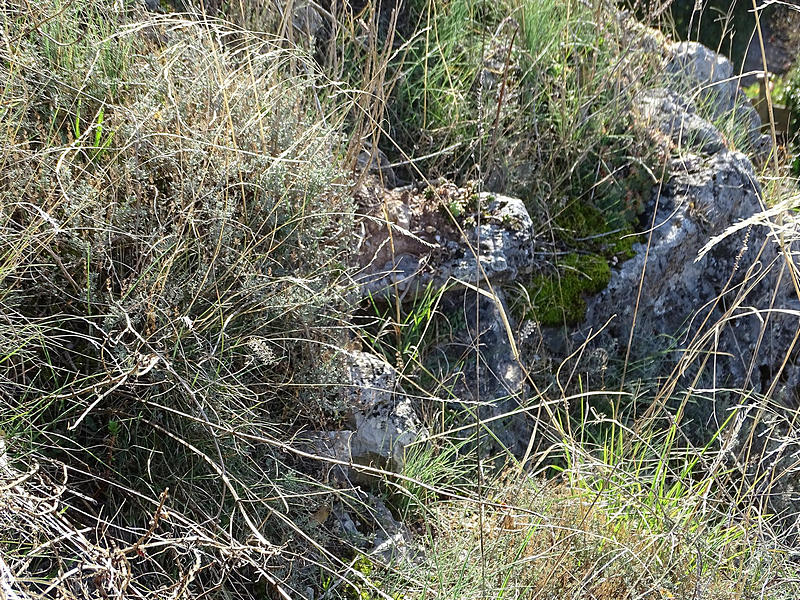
{"points": [[697, 263], [696, 308]]}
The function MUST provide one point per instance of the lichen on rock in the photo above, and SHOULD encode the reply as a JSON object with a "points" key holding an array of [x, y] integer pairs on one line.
{"points": [[707, 79], [676, 292], [448, 235]]}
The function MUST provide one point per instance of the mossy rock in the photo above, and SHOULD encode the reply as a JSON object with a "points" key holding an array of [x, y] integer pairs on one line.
{"points": [[558, 298], [621, 246], [591, 230], [579, 220], [597, 235]]}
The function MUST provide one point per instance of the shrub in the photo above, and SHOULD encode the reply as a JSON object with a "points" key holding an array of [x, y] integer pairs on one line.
{"points": [[172, 223]]}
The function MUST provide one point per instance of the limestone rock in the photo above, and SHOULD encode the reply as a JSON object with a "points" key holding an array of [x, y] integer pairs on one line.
{"points": [[699, 70], [713, 298], [393, 541], [492, 376], [382, 422], [307, 18], [677, 118], [707, 79], [455, 238], [414, 238]]}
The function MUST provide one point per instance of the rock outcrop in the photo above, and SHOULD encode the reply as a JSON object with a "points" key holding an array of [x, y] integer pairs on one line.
{"points": [[381, 420], [460, 240], [730, 299], [708, 80], [675, 117], [722, 299], [440, 236]]}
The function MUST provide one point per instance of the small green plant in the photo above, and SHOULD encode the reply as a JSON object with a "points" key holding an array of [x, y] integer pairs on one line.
{"points": [[431, 467], [403, 331], [364, 566]]}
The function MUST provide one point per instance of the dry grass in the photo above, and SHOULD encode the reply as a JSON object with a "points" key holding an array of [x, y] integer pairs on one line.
{"points": [[175, 218]]}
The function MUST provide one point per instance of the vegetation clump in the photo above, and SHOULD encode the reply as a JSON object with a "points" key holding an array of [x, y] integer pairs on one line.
{"points": [[172, 230]]}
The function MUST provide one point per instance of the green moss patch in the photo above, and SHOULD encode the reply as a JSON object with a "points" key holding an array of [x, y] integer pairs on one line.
{"points": [[592, 233], [595, 242], [558, 298], [606, 205]]}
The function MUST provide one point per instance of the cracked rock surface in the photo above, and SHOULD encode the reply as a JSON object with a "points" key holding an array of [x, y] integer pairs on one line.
{"points": [[686, 290], [707, 78], [381, 420]]}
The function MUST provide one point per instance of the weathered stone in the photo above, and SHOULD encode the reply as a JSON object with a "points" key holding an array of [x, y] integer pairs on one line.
{"points": [[711, 299], [450, 237], [153, 6], [491, 379], [503, 242], [380, 536], [703, 73], [372, 381], [708, 80], [393, 541], [381, 419], [411, 240], [307, 18], [677, 118]]}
